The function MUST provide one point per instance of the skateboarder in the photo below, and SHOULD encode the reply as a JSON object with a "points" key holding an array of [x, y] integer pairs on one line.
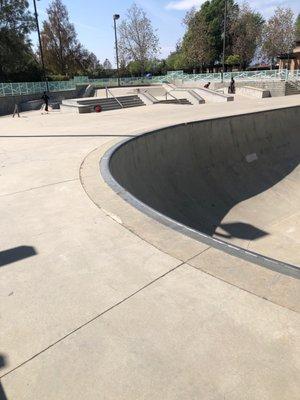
{"points": [[45, 97]]}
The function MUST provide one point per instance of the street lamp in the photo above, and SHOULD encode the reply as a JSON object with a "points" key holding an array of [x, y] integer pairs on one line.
{"points": [[224, 39], [115, 18], [40, 43]]}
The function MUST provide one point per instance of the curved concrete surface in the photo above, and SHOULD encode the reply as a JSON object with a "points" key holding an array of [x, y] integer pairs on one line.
{"points": [[235, 179]]}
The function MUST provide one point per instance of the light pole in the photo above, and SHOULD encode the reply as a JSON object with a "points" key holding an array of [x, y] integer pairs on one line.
{"points": [[224, 39], [115, 18], [40, 44]]}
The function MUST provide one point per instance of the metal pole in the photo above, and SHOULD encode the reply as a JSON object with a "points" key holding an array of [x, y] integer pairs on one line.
{"points": [[40, 44], [115, 17], [224, 39]]}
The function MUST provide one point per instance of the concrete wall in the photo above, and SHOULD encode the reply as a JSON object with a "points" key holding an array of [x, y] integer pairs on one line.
{"points": [[276, 88], [207, 175], [7, 103], [253, 92]]}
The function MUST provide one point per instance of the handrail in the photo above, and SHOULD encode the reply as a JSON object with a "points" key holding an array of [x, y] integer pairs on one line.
{"points": [[178, 101], [150, 96], [110, 92], [191, 92]]}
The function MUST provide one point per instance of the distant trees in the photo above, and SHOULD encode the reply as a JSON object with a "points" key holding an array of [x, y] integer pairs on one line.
{"points": [[17, 60], [138, 41], [63, 53], [247, 34], [202, 43], [107, 64], [297, 28], [278, 34], [200, 49]]}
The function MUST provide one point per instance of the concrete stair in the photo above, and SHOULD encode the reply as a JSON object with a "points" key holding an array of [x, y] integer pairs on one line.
{"points": [[292, 87], [122, 102], [86, 105], [175, 101], [112, 103]]}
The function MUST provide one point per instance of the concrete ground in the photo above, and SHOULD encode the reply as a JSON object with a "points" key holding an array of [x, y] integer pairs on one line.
{"points": [[99, 301]]}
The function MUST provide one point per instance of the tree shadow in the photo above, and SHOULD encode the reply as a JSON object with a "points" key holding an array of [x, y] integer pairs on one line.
{"points": [[240, 230], [196, 173], [2, 364], [16, 254]]}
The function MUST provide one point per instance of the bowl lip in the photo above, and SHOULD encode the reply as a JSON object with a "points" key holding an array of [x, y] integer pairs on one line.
{"points": [[234, 250]]}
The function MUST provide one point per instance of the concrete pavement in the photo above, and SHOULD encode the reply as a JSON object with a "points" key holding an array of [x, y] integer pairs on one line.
{"points": [[115, 305]]}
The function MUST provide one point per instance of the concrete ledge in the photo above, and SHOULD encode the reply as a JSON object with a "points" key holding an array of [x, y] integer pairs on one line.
{"points": [[31, 105], [276, 88], [253, 92], [191, 95], [208, 94]]}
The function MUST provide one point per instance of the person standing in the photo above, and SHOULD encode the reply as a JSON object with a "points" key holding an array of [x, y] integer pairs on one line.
{"points": [[45, 97], [231, 88]]}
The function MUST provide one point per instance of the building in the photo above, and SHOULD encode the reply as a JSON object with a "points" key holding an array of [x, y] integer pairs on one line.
{"points": [[291, 60]]}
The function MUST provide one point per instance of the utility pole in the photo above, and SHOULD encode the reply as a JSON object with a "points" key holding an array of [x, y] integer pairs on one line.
{"points": [[40, 44], [224, 39], [115, 18]]}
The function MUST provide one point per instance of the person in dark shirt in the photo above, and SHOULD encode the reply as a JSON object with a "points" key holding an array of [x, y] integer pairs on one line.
{"points": [[45, 97], [206, 86], [231, 88]]}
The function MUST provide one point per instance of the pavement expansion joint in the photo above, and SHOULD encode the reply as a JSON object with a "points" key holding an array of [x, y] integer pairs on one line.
{"points": [[93, 319], [39, 187]]}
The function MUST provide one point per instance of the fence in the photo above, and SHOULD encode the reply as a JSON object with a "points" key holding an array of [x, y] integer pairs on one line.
{"points": [[265, 75], [14, 89]]}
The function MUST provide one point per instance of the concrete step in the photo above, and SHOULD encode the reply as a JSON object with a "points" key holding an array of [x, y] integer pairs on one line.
{"points": [[292, 88], [174, 101]]}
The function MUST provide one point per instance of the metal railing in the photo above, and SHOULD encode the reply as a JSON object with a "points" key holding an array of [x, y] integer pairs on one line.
{"points": [[112, 95], [23, 88], [170, 94]]}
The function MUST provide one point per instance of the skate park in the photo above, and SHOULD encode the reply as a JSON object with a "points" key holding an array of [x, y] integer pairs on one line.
{"points": [[149, 200], [139, 241]]}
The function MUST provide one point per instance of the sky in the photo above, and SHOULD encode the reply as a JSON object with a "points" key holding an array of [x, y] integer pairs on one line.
{"points": [[94, 25]]}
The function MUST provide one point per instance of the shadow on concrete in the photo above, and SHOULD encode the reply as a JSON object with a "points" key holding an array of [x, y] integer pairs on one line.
{"points": [[16, 254], [2, 364], [196, 173], [240, 230]]}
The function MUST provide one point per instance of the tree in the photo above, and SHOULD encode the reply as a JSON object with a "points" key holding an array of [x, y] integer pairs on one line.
{"points": [[62, 51], [138, 40], [17, 61], [297, 28], [233, 60], [176, 61], [107, 64], [278, 36], [202, 43], [246, 32], [196, 49]]}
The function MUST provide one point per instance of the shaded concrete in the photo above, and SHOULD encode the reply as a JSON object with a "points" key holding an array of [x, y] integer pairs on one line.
{"points": [[220, 177]]}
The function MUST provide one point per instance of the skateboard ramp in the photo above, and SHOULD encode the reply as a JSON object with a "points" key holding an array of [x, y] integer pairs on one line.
{"points": [[235, 179]]}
